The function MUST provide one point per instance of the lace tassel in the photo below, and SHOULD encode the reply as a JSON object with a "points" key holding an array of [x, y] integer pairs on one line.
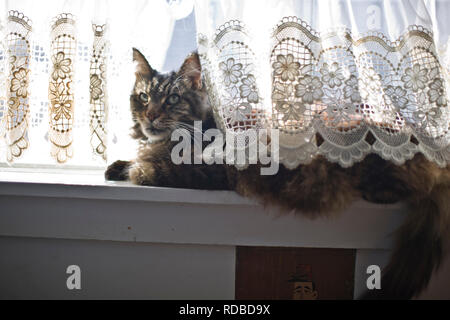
{"points": [[98, 92], [17, 90], [61, 93]]}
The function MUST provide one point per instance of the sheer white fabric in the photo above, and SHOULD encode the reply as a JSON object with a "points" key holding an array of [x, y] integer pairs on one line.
{"points": [[101, 116], [342, 69]]}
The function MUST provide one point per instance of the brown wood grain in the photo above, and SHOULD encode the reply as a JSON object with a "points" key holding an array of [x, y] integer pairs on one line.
{"points": [[264, 272]]}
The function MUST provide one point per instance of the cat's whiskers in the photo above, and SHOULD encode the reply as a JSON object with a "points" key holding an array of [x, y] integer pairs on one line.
{"points": [[192, 130]]}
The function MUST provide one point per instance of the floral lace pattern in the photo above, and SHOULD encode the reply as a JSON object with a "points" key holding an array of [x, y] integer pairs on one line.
{"points": [[98, 93], [335, 84], [61, 95], [232, 80], [17, 101]]}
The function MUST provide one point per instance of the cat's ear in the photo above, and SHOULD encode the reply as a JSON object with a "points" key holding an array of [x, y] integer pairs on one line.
{"points": [[143, 68], [192, 71]]}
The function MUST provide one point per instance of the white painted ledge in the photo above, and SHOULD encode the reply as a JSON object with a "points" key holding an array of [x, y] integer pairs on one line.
{"points": [[92, 185], [74, 205]]}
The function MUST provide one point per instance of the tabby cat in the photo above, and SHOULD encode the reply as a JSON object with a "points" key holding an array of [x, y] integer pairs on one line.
{"points": [[161, 103]]}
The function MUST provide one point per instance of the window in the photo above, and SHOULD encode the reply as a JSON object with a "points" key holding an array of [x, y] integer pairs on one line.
{"points": [[66, 73], [97, 70]]}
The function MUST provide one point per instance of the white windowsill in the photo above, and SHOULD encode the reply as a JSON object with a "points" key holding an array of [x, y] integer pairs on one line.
{"points": [[82, 205], [90, 184]]}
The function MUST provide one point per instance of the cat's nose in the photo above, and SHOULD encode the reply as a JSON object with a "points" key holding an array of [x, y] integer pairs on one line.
{"points": [[151, 115]]}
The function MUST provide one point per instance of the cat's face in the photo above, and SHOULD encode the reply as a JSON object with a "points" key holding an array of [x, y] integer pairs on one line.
{"points": [[161, 103]]}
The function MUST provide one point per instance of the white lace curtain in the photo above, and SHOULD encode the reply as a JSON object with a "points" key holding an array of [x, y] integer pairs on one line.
{"points": [[66, 75], [340, 69]]}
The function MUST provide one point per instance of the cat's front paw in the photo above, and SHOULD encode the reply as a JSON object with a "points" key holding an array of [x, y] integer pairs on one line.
{"points": [[142, 174], [118, 171]]}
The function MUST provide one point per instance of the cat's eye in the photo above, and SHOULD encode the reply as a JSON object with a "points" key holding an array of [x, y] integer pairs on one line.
{"points": [[173, 98], [143, 97]]}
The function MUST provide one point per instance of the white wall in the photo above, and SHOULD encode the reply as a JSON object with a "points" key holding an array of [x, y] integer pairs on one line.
{"points": [[138, 242], [33, 268]]}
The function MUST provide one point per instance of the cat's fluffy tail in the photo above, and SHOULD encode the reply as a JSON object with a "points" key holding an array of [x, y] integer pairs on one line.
{"points": [[419, 247]]}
